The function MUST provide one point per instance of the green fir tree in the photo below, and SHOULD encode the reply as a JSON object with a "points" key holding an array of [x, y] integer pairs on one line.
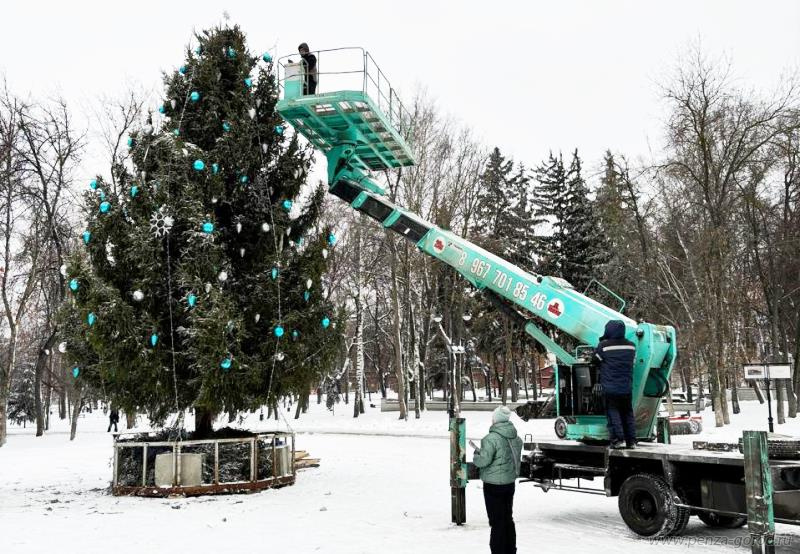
{"points": [[202, 281]]}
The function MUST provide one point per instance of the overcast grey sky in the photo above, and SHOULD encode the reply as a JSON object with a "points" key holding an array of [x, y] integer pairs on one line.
{"points": [[528, 76]]}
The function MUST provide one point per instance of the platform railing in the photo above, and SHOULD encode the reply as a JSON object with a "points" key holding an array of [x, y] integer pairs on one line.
{"points": [[354, 68]]}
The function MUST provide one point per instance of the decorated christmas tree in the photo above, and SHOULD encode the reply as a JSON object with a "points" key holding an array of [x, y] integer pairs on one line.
{"points": [[201, 281]]}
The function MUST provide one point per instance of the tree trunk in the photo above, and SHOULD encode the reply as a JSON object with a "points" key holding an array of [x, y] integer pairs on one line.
{"points": [[204, 422], [415, 364], [779, 399], [76, 412], [398, 343], [735, 399], [62, 403], [3, 409], [130, 420]]}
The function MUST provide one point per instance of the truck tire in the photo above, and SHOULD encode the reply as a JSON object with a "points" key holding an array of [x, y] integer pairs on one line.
{"points": [[780, 449], [717, 521], [683, 515], [647, 506], [561, 427]]}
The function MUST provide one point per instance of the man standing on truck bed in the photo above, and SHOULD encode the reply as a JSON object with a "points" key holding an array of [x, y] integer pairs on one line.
{"points": [[615, 355]]}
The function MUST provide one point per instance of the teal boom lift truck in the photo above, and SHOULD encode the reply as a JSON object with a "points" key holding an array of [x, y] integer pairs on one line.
{"points": [[357, 120]]}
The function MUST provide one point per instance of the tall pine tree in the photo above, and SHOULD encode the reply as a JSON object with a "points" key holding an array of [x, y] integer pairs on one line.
{"points": [[575, 249], [584, 249], [202, 277]]}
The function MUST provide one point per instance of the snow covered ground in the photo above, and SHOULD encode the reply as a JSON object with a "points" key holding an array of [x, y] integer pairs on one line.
{"points": [[382, 487]]}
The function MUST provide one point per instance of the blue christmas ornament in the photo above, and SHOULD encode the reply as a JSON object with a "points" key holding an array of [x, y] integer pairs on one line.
{"points": [[162, 109], [279, 129], [91, 318], [134, 191], [226, 126], [191, 300], [244, 179], [104, 207], [306, 295], [208, 227], [153, 339], [248, 82], [182, 70], [198, 50], [267, 57], [73, 285], [93, 184], [325, 322], [194, 96], [287, 205], [300, 241], [274, 273], [176, 132], [231, 52], [87, 236], [278, 331], [295, 334], [76, 371], [130, 142], [226, 363], [215, 168], [199, 165], [102, 195], [331, 239]]}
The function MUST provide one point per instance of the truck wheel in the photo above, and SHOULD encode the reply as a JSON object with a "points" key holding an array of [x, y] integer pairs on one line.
{"points": [[646, 504], [683, 516], [561, 427], [718, 521]]}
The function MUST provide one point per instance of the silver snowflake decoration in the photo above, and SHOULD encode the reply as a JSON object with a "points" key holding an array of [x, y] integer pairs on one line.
{"points": [[161, 222]]}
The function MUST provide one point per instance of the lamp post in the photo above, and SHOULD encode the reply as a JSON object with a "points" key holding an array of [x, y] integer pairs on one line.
{"points": [[458, 435]]}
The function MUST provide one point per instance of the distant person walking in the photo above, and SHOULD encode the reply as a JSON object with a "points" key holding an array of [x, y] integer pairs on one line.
{"points": [[113, 419], [615, 355], [310, 67], [498, 459]]}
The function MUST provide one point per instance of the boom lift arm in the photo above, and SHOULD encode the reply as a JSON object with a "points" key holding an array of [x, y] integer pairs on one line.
{"points": [[357, 136]]}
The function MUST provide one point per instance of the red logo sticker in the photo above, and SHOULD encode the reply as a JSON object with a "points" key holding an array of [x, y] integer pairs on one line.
{"points": [[438, 245], [555, 308]]}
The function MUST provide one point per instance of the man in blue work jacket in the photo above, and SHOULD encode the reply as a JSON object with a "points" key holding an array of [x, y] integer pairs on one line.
{"points": [[615, 355]]}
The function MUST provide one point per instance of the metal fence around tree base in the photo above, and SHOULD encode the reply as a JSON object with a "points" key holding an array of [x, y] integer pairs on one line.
{"points": [[204, 466]]}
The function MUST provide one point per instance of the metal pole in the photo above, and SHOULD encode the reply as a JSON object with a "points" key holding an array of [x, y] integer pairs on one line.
{"points": [[769, 400], [758, 489]]}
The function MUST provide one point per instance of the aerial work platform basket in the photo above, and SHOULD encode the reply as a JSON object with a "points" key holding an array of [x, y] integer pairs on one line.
{"points": [[354, 102]]}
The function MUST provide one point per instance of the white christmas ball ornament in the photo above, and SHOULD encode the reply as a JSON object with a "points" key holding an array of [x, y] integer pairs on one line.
{"points": [[208, 288], [325, 253], [62, 347], [223, 276], [138, 295], [63, 270], [257, 317], [239, 227], [309, 282], [265, 227]]}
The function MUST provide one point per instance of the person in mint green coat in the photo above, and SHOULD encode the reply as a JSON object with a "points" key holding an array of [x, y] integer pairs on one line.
{"points": [[498, 459]]}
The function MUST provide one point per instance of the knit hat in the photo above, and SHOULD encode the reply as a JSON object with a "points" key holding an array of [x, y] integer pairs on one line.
{"points": [[501, 414]]}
